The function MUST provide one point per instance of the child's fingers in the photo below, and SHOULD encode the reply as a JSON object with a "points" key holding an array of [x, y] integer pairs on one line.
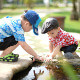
{"points": [[33, 59], [41, 58], [47, 55], [48, 59]]}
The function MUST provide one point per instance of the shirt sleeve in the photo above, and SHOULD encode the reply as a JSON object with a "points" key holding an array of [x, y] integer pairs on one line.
{"points": [[18, 32], [19, 37]]}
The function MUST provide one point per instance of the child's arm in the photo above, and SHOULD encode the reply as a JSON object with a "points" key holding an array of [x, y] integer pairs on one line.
{"points": [[56, 51], [49, 56], [50, 47], [28, 49]]}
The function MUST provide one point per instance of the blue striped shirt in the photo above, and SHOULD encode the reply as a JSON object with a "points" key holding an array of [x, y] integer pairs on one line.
{"points": [[11, 27]]}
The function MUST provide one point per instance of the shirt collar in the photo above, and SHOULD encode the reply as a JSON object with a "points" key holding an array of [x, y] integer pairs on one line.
{"points": [[19, 21], [59, 33]]}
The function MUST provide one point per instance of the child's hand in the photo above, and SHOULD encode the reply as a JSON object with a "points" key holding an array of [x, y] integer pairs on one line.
{"points": [[38, 58], [49, 54], [48, 58]]}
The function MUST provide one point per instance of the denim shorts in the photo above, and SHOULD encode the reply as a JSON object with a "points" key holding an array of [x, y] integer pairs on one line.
{"points": [[9, 41], [71, 48]]}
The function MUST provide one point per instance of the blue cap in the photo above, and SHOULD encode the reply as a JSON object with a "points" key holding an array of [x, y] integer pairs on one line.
{"points": [[34, 19]]}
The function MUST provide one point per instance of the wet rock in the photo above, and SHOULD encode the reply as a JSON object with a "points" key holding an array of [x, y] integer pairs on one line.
{"points": [[69, 55], [8, 69]]}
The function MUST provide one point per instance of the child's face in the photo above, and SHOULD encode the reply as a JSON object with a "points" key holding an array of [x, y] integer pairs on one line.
{"points": [[53, 33], [26, 25]]}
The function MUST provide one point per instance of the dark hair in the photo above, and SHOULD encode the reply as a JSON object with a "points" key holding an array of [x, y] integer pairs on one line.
{"points": [[26, 19], [49, 24]]}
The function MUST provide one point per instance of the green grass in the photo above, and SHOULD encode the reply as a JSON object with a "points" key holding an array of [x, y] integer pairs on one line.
{"points": [[10, 12], [79, 49], [70, 25]]}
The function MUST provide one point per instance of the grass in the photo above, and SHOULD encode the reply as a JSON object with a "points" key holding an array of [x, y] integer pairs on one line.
{"points": [[10, 12], [69, 26]]}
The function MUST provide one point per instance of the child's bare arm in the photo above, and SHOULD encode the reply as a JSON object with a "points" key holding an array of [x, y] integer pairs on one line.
{"points": [[56, 51], [28, 49], [50, 47]]}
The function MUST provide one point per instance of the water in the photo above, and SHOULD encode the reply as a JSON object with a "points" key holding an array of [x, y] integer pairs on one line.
{"points": [[39, 71], [35, 71], [32, 72]]}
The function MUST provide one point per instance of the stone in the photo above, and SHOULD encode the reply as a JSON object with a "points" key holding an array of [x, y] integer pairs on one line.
{"points": [[69, 55], [8, 69]]}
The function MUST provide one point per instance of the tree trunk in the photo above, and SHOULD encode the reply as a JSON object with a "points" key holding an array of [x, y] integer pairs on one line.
{"points": [[1, 2], [74, 15], [79, 8]]}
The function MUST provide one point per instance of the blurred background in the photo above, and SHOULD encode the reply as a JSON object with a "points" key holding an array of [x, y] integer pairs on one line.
{"points": [[66, 11]]}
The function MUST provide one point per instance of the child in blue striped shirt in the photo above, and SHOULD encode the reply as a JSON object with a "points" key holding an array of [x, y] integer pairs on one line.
{"points": [[12, 34]]}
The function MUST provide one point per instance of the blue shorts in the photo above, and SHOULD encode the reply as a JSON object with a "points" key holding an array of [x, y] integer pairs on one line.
{"points": [[8, 41], [71, 48]]}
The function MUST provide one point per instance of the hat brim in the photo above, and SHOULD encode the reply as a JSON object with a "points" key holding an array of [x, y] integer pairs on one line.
{"points": [[35, 26], [35, 30]]}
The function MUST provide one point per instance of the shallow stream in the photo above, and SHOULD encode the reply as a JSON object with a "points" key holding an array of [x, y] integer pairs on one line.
{"points": [[32, 73], [39, 71]]}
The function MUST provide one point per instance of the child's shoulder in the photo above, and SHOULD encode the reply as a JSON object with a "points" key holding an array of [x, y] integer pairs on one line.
{"points": [[63, 33]]}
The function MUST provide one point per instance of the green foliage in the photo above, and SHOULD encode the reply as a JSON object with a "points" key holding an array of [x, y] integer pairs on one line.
{"points": [[68, 69], [39, 1], [29, 3], [4, 1], [58, 0], [13, 6]]}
